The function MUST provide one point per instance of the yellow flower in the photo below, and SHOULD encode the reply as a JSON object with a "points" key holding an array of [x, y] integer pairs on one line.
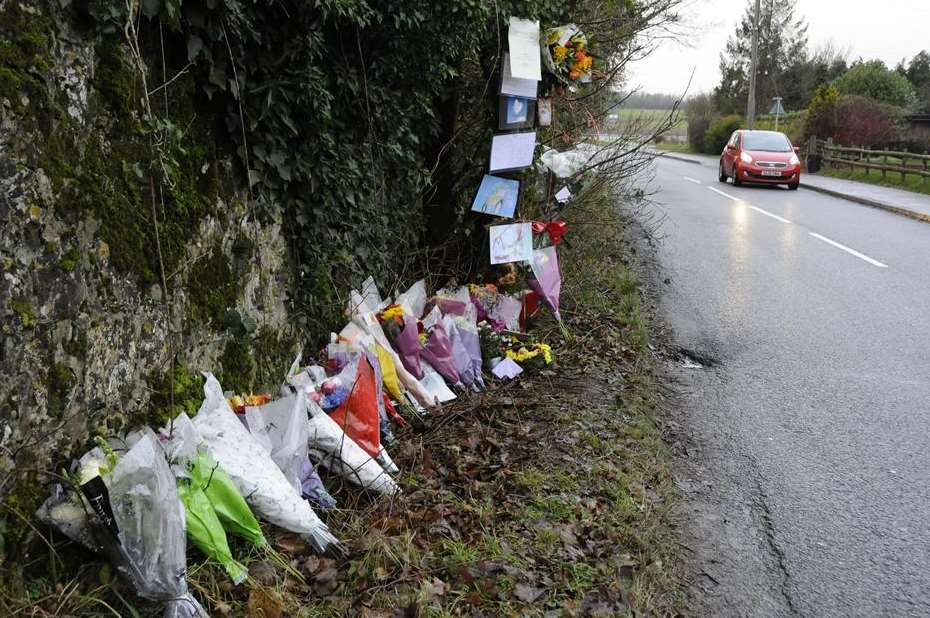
{"points": [[558, 53], [423, 337], [394, 311]]}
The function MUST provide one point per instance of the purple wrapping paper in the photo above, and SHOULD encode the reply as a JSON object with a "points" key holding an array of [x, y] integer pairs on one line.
{"points": [[472, 343], [312, 487], [438, 353], [548, 279], [447, 306], [407, 346], [461, 356]]}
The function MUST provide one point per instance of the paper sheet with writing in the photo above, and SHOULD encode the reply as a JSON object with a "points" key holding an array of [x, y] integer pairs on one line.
{"points": [[523, 37], [515, 86], [511, 243], [512, 151]]}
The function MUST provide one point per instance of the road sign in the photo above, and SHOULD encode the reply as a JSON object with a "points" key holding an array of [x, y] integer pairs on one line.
{"points": [[777, 108]]}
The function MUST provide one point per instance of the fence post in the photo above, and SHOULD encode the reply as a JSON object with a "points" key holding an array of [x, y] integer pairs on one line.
{"points": [[926, 177], [885, 163]]}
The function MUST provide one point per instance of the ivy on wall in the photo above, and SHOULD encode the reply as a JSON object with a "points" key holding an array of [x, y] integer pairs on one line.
{"points": [[337, 109]]}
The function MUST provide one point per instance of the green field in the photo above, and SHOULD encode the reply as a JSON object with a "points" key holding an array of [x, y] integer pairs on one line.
{"points": [[650, 118]]}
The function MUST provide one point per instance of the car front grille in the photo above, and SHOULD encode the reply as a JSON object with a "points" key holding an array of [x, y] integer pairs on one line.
{"points": [[772, 164]]}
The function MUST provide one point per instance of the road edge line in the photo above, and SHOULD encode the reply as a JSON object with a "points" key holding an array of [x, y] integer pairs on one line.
{"points": [[904, 212]]}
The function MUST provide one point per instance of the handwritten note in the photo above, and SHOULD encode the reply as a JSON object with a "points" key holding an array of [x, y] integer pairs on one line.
{"points": [[523, 37], [511, 243], [512, 151], [515, 86]]}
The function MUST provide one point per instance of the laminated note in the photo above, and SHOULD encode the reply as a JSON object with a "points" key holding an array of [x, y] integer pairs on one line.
{"points": [[512, 151], [563, 195], [497, 196], [525, 59], [515, 86], [511, 243]]}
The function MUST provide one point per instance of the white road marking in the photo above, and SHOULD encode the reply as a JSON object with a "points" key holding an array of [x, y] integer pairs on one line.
{"points": [[768, 214], [848, 250], [697, 182], [726, 195]]}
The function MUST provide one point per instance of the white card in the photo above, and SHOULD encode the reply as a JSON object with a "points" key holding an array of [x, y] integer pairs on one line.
{"points": [[511, 243], [563, 195], [525, 59], [512, 151], [514, 86]]}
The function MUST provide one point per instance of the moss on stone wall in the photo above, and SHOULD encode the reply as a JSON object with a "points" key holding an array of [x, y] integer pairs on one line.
{"points": [[24, 53], [212, 288], [185, 385], [58, 383], [238, 365]]}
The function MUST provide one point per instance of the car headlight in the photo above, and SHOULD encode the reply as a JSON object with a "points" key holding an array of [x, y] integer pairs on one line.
{"points": [[745, 158], [794, 160]]}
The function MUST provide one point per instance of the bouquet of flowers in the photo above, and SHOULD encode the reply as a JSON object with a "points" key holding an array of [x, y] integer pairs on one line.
{"points": [[567, 54], [253, 471], [547, 280], [492, 343], [402, 331], [531, 355]]}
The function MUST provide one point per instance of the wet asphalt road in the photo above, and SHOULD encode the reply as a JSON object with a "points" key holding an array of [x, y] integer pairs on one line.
{"points": [[807, 478]]}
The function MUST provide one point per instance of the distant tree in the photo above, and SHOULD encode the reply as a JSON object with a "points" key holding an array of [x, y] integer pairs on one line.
{"points": [[699, 110], [782, 45], [719, 133], [651, 100], [822, 119], [918, 73], [876, 81], [802, 79]]}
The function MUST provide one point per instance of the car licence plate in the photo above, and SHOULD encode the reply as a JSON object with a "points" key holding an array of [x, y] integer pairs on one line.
{"points": [[770, 173]]}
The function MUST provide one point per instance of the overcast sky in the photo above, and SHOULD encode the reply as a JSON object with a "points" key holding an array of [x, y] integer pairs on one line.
{"points": [[889, 30]]}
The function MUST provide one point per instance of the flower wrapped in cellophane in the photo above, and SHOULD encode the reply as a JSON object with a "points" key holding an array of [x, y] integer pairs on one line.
{"points": [[567, 55]]}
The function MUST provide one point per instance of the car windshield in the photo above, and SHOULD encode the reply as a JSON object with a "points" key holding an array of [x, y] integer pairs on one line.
{"points": [[768, 142]]}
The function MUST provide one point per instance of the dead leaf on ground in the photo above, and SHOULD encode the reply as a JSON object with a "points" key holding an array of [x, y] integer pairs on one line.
{"points": [[264, 604], [527, 593]]}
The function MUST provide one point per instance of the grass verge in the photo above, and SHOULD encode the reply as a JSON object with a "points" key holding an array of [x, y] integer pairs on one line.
{"points": [[551, 495], [891, 179]]}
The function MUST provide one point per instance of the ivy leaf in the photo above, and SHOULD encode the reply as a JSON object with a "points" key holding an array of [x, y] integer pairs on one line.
{"points": [[151, 8], [194, 47]]}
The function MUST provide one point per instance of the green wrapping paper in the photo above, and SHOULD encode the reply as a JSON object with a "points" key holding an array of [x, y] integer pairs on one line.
{"points": [[206, 531], [230, 507]]}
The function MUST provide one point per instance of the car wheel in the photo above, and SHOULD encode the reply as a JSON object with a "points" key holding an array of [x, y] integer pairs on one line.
{"points": [[794, 186], [736, 181], [721, 174]]}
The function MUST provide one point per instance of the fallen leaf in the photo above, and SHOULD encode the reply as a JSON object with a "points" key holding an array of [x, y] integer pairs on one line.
{"points": [[264, 604], [527, 593]]}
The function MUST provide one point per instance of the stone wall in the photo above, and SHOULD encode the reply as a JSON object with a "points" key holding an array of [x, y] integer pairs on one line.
{"points": [[88, 330]]}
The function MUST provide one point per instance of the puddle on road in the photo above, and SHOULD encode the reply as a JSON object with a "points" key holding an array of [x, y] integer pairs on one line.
{"points": [[690, 359]]}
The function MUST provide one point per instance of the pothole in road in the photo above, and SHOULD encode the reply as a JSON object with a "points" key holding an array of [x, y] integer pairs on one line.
{"points": [[689, 359]]}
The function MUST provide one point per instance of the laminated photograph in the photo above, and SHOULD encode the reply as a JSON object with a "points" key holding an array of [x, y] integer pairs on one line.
{"points": [[514, 86], [516, 113], [544, 111], [525, 58], [511, 243], [512, 151], [497, 196]]}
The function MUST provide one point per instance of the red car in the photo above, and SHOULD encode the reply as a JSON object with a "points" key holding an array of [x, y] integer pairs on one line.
{"points": [[764, 157]]}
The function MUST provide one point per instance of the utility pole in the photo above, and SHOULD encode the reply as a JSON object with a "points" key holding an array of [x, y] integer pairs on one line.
{"points": [[751, 108]]}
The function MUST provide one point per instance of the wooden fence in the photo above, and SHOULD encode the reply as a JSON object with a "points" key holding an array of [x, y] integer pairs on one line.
{"points": [[885, 161]]}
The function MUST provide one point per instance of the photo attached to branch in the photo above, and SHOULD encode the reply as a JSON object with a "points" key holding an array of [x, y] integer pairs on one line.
{"points": [[497, 196], [514, 86], [512, 151], [516, 113], [544, 110], [511, 243]]}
